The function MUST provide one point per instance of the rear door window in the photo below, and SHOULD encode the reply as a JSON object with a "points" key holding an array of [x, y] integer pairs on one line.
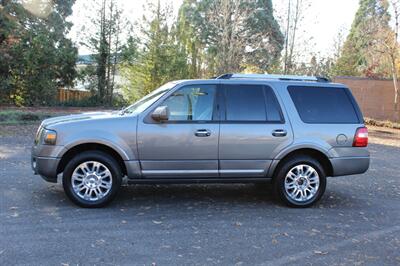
{"points": [[251, 103], [245, 103], [323, 105], [274, 113]]}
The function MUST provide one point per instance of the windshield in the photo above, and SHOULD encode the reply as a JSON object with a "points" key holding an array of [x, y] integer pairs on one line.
{"points": [[148, 100]]}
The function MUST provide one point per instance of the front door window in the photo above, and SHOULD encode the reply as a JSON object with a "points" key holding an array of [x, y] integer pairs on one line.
{"points": [[192, 103]]}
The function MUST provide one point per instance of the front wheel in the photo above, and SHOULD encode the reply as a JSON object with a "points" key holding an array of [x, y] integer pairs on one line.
{"points": [[92, 179], [300, 182]]}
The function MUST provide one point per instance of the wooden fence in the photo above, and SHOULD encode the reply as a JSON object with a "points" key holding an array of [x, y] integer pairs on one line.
{"points": [[65, 95]]}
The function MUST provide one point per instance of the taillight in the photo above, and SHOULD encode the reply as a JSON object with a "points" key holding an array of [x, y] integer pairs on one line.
{"points": [[361, 137]]}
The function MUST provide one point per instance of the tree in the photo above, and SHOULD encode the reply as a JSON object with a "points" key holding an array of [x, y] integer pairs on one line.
{"points": [[338, 42], [104, 39], [292, 20], [161, 58], [190, 37], [265, 39], [36, 58], [358, 57], [392, 48], [229, 36], [386, 44]]}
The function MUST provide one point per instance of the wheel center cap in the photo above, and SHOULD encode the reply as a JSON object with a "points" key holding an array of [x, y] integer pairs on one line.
{"points": [[92, 180], [302, 181]]}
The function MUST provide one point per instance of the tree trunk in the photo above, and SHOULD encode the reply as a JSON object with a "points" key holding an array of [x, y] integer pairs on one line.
{"points": [[115, 61], [396, 90], [102, 61], [394, 60], [293, 41], [285, 66]]}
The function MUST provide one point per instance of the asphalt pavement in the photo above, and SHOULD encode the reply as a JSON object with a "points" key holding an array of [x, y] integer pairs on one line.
{"points": [[357, 222]]}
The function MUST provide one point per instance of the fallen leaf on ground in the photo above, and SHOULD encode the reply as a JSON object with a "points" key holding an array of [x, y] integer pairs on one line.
{"points": [[320, 252]]}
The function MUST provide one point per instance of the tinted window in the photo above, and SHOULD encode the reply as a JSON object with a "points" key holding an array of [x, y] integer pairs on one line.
{"points": [[245, 103], [273, 109], [191, 103], [323, 105]]}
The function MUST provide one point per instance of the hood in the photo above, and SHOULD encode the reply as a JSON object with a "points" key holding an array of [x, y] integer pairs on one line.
{"points": [[77, 117]]}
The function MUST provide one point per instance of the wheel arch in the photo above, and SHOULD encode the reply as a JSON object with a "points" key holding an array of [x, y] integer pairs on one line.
{"points": [[315, 153], [79, 148]]}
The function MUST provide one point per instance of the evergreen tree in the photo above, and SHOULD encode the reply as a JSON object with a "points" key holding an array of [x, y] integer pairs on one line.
{"points": [[228, 36], [161, 57], [104, 38], [264, 36], [357, 57], [36, 58]]}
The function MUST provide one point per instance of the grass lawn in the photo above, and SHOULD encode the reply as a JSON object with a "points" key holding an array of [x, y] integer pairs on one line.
{"points": [[28, 115], [14, 117]]}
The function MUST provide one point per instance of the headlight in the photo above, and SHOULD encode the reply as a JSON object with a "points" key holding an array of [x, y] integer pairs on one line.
{"points": [[38, 135], [49, 137]]}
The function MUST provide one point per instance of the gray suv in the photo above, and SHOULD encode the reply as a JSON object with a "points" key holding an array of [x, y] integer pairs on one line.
{"points": [[292, 130]]}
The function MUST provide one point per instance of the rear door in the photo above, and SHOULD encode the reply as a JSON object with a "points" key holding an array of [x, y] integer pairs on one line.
{"points": [[253, 130]]}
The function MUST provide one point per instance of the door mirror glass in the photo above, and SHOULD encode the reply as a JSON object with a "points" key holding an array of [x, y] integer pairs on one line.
{"points": [[161, 113]]}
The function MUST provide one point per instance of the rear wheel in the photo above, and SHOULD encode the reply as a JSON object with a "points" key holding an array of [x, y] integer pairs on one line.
{"points": [[92, 179], [300, 181]]}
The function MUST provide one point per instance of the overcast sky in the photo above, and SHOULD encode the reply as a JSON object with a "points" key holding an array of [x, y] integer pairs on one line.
{"points": [[323, 19]]}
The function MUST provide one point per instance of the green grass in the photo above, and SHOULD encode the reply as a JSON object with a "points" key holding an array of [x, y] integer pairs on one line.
{"points": [[15, 117]]}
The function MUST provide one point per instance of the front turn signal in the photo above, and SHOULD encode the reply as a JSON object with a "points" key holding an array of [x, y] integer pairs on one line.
{"points": [[50, 137]]}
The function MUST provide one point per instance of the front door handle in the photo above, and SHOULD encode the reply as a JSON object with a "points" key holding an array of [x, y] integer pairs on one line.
{"points": [[279, 133], [202, 133]]}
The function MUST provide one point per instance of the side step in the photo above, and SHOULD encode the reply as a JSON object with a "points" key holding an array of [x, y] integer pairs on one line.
{"points": [[196, 180]]}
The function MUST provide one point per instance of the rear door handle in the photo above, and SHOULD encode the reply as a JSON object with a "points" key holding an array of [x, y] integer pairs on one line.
{"points": [[202, 133], [279, 133]]}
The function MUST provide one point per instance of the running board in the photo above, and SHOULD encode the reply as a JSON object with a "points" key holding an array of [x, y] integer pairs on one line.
{"points": [[196, 180]]}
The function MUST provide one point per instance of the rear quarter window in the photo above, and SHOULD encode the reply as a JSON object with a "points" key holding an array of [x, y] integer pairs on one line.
{"points": [[321, 105]]}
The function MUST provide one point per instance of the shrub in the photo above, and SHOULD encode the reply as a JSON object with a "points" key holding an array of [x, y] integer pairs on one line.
{"points": [[378, 123], [17, 116]]}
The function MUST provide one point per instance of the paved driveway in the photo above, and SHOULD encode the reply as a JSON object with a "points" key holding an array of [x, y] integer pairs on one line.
{"points": [[356, 222]]}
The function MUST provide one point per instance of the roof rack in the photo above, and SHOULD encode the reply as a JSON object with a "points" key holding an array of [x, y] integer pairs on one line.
{"points": [[278, 77]]}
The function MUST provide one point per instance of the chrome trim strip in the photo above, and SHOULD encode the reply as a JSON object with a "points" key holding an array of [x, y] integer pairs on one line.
{"points": [[179, 172], [242, 171]]}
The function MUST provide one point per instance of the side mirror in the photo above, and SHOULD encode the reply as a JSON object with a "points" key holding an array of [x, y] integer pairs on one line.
{"points": [[160, 114]]}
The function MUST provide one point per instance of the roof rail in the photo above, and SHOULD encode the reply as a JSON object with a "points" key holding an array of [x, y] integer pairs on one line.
{"points": [[278, 77]]}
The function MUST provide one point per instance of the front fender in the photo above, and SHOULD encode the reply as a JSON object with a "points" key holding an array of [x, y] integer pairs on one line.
{"points": [[117, 133], [102, 141]]}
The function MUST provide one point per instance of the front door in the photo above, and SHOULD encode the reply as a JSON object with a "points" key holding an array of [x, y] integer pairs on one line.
{"points": [[253, 131], [187, 144]]}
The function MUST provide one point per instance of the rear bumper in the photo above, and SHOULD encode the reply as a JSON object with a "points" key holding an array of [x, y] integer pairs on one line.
{"points": [[46, 167], [349, 165]]}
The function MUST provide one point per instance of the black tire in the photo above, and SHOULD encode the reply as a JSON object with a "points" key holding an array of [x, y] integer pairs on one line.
{"points": [[106, 160], [283, 170]]}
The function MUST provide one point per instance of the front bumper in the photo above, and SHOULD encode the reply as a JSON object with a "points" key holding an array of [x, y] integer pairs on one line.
{"points": [[46, 167], [350, 165], [45, 161]]}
